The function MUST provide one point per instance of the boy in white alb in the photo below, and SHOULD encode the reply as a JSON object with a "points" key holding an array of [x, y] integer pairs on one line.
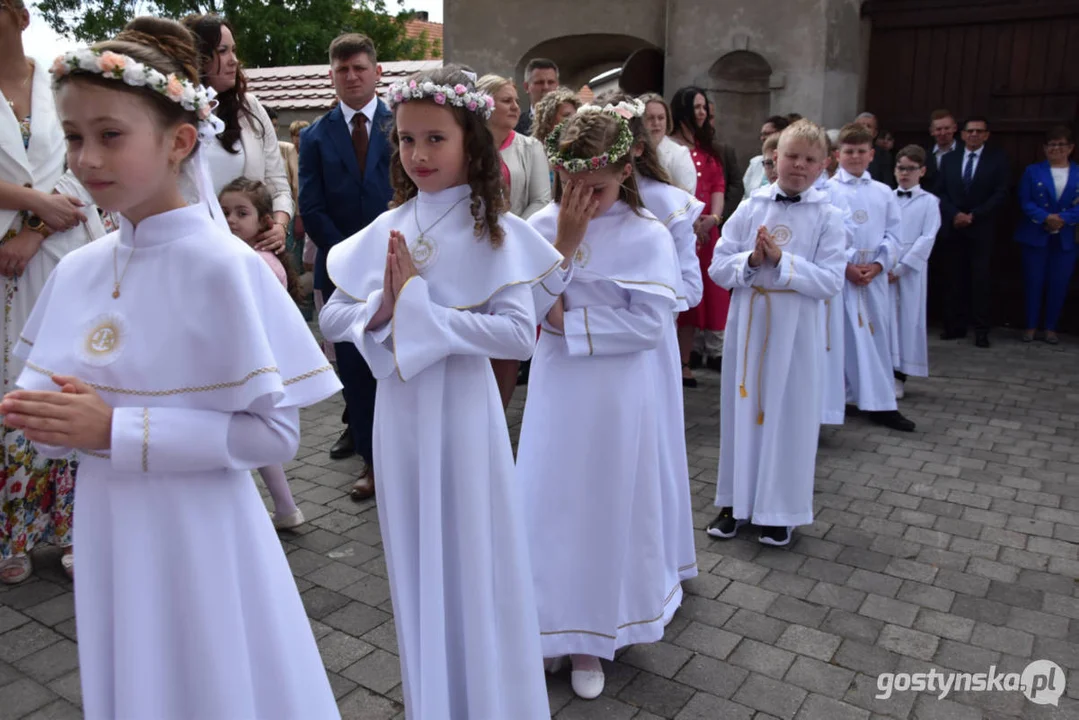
{"points": [[920, 212], [781, 254], [867, 337]]}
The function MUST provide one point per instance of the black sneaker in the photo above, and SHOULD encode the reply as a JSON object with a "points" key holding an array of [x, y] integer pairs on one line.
{"points": [[725, 526], [777, 536], [892, 419]]}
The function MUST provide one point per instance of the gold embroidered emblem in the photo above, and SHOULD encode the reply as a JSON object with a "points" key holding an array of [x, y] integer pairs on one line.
{"points": [[583, 255], [861, 217], [424, 252], [781, 235], [103, 339]]}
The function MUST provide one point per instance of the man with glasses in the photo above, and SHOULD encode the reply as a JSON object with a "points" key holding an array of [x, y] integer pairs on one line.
{"points": [[972, 187]]}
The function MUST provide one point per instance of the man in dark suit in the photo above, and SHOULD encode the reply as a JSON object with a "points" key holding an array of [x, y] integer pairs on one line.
{"points": [[942, 128], [882, 166], [972, 186], [344, 185], [541, 77]]}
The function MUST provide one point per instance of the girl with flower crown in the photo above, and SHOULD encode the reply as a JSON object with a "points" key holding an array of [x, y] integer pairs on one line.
{"points": [[429, 292], [185, 603], [591, 486]]}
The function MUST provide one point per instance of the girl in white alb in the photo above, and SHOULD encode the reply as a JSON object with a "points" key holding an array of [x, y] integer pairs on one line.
{"points": [[185, 603], [589, 452], [429, 292]]}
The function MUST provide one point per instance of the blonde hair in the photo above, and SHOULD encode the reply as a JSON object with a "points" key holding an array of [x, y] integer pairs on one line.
{"points": [[296, 126], [586, 135], [771, 143], [657, 98], [546, 110], [491, 84], [805, 130]]}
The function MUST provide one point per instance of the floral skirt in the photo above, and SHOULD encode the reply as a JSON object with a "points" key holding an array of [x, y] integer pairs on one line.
{"points": [[37, 497]]}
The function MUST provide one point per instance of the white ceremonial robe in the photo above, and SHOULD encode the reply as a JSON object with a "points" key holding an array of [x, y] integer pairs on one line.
{"points": [[185, 603], [677, 210], [771, 399], [449, 507], [589, 453], [921, 221], [867, 334], [833, 322]]}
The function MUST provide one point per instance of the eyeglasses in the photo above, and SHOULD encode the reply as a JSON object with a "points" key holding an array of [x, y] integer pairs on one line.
{"points": [[908, 168], [1054, 145], [769, 163]]}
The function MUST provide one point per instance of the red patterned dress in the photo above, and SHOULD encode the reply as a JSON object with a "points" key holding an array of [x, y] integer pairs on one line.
{"points": [[711, 314]]}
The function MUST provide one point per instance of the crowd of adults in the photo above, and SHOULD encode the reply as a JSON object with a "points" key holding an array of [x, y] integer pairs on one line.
{"points": [[333, 179]]}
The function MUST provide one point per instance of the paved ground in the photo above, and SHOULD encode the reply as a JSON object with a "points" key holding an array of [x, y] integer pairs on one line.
{"points": [[953, 548]]}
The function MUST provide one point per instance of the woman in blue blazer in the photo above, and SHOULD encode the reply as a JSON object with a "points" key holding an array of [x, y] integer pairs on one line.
{"points": [[1049, 196]]}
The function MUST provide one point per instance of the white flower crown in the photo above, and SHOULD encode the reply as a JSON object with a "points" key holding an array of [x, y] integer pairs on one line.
{"points": [[198, 99], [623, 112], [457, 95]]}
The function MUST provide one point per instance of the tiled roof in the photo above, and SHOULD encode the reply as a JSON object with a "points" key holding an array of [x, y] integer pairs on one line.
{"points": [[308, 87], [415, 28]]}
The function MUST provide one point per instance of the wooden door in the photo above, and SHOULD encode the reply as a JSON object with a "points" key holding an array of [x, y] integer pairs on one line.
{"points": [[1015, 61]]}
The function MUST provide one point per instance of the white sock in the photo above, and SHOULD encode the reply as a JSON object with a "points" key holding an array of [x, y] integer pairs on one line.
{"points": [[277, 484]]}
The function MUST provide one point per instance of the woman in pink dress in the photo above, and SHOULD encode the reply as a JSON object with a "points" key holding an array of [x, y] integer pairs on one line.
{"points": [[689, 111]]}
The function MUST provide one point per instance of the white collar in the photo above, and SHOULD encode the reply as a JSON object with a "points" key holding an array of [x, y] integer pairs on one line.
{"points": [[938, 150], [976, 153], [846, 177], [368, 110]]}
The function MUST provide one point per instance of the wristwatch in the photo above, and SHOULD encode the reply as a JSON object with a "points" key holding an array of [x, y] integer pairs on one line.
{"points": [[38, 225]]}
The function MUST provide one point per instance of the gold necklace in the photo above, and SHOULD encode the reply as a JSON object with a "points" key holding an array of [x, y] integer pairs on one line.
{"points": [[117, 280], [30, 74]]}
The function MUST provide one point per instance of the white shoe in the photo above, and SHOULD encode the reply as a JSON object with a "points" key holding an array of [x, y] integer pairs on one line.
{"points": [[589, 680], [899, 389], [289, 521]]}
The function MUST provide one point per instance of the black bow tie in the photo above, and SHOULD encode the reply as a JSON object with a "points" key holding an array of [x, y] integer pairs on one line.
{"points": [[783, 198], [904, 193]]}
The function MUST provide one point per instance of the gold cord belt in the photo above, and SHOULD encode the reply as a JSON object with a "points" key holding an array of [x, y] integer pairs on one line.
{"points": [[828, 325], [767, 293], [862, 302]]}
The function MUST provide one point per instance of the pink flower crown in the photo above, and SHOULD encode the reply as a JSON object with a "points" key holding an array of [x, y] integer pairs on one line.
{"points": [[457, 95], [198, 99]]}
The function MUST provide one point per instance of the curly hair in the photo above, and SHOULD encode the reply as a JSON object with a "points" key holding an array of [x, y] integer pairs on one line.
{"points": [[232, 104], [484, 163], [546, 110], [647, 163], [586, 135], [164, 45], [262, 200]]}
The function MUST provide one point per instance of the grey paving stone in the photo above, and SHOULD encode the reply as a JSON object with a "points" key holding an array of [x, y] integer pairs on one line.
{"points": [[23, 697], [703, 706], [889, 610], [698, 637], [961, 582], [993, 570], [1038, 623], [929, 707], [756, 626], [50, 662], [820, 677], [794, 610], [355, 618], [771, 696], [944, 625], [25, 640], [863, 694], [861, 657], [788, 584], [57, 710], [362, 703], [655, 694], [825, 570], [811, 642], [965, 658], [68, 687], [339, 650], [378, 671], [747, 597], [758, 657], [926, 596], [660, 658], [905, 641], [874, 582], [11, 619], [1003, 639], [852, 626], [836, 596], [911, 570], [712, 676], [819, 707]]}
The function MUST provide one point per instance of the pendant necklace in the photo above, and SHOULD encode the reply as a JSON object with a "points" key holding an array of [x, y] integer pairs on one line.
{"points": [[424, 251], [116, 280]]}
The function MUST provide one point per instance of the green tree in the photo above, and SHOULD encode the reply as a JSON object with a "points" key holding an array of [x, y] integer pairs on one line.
{"points": [[269, 33]]}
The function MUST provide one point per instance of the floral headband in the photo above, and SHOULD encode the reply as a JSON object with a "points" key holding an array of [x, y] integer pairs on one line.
{"points": [[457, 95], [114, 66], [621, 147]]}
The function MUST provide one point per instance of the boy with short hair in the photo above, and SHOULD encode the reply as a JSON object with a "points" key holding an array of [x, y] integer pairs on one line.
{"points": [[875, 245], [781, 254], [920, 214], [768, 157]]}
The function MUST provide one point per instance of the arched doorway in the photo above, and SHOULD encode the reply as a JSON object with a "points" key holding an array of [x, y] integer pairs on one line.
{"points": [[582, 57], [739, 85]]}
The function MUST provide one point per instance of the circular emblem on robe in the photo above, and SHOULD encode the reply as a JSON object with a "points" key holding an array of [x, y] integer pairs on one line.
{"points": [[861, 217], [583, 255], [781, 235], [103, 340], [424, 253]]}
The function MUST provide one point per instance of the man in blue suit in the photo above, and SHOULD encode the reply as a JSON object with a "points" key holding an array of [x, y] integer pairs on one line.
{"points": [[1049, 197], [344, 185], [972, 187]]}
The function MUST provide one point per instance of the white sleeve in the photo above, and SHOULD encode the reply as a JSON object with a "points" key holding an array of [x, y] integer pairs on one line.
{"points": [[730, 260], [916, 258], [274, 174], [606, 330], [344, 319], [683, 170]]}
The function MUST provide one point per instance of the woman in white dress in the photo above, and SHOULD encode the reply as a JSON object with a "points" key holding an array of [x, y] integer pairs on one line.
{"points": [[589, 453], [171, 359], [675, 159], [451, 289], [44, 214]]}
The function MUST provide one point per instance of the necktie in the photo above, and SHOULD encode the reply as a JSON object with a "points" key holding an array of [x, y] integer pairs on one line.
{"points": [[359, 140], [784, 199], [968, 171], [905, 193]]}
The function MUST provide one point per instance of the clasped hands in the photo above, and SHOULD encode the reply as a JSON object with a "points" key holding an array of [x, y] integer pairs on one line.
{"points": [[1054, 223], [864, 273], [962, 220], [765, 249], [74, 416], [399, 270]]}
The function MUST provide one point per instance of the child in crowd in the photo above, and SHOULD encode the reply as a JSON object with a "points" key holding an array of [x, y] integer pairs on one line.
{"points": [[920, 213], [168, 356], [781, 254], [768, 155], [248, 208], [876, 229], [588, 457], [429, 292]]}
